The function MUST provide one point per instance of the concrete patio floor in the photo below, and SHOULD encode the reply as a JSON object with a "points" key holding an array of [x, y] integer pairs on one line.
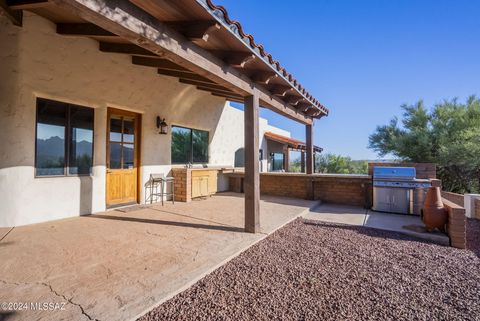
{"points": [[352, 215], [119, 264]]}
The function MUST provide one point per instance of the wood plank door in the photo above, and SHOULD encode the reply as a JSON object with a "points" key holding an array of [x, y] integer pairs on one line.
{"points": [[123, 138]]}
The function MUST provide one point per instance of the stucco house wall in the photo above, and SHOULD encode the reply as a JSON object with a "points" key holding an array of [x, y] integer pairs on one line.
{"points": [[37, 62]]}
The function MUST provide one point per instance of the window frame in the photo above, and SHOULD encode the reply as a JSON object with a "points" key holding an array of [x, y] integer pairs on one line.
{"points": [[67, 133], [190, 160]]}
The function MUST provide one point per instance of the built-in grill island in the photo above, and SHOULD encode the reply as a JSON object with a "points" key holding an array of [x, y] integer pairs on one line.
{"points": [[397, 190]]}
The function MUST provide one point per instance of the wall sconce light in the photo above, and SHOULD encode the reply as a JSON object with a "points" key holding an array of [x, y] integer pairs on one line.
{"points": [[162, 125]]}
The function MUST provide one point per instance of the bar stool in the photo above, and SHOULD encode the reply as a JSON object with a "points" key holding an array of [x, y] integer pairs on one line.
{"points": [[160, 180]]}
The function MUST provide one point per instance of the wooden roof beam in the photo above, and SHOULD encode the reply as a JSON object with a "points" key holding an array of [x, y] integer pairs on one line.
{"points": [[137, 26], [15, 16], [217, 91], [203, 84], [125, 48], [263, 77], [195, 30], [184, 75], [157, 63], [82, 29], [238, 99], [25, 4], [280, 90], [304, 106], [236, 59], [293, 100]]}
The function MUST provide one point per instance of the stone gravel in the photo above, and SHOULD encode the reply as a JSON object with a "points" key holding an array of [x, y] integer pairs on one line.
{"points": [[319, 271]]}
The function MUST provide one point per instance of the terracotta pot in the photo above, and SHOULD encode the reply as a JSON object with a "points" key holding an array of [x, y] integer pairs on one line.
{"points": [[434, 214]]}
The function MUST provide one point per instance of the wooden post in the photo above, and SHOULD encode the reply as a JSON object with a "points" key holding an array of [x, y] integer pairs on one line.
{"points": [[252, 178], [309, 150], [286, 158], [302, 161]]}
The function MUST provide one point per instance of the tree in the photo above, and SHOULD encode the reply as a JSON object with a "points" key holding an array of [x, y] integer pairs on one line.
{"points": [[337, 164], [448, 134]]}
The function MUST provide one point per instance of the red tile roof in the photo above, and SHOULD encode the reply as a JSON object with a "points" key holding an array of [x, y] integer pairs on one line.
{"points": [[235, 26], [291, 142]]}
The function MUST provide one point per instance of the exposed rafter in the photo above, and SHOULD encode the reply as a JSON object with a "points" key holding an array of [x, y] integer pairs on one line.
{"points": [[293, 100], [195, 30], [151, 34], [303, 106], [229, 97], [218, 91], [25, 4], [237, 59], [184, 75], [157, 63], [15, 16], [263, 77], [82, 29], [280, 90], [124, 48], [203, 84]]}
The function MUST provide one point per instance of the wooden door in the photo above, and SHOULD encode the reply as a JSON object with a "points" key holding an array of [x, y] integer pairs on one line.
{"points": [[122, 157]]}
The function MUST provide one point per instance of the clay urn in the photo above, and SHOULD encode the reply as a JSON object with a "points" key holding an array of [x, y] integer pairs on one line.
{"points": [[434, 214]]}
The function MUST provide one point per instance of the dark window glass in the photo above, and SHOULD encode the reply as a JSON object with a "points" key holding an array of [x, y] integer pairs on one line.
{"points": [[200, 146], [81, 140], [181, 145], [128, 130], [128, 150], [51, 122], [189, 145], [115, 156], [277, 161], [115, 129], [58, 123]]}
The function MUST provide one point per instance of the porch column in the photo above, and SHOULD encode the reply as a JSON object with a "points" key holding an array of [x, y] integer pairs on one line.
{"points": [[309, 150], [302, 161], [252, 178], [286, 158]]}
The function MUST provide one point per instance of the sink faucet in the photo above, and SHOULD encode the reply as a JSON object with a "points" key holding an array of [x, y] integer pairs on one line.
{"points": [[189, 165]]}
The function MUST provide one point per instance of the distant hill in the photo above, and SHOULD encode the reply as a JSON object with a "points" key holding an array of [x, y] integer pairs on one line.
{"points": [[54, 147]]}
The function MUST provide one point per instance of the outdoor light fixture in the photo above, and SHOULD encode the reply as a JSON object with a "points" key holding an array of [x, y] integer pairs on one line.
{"points": [[162, 125]]}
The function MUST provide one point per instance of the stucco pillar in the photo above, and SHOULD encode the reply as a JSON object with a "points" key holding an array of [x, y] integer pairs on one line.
{"points": [[309, 150], [252, 177]]}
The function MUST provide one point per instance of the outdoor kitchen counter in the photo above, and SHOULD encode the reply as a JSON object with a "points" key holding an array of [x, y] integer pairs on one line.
{"points": [[196, 182]]}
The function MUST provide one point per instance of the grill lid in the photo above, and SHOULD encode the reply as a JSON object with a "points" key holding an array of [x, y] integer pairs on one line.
{"points": [[401, 173]]}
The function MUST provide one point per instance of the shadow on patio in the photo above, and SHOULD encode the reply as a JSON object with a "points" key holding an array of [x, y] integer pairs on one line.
{"points": [[115, 266]]}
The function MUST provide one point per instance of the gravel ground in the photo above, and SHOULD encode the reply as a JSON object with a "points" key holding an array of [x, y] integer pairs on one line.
{"points": [[320, 271]]}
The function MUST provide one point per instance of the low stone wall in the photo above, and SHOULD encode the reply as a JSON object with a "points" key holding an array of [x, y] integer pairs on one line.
{"points": [[456, 226], [454, 198], [330, 188], [424, 170], [343, 189]]}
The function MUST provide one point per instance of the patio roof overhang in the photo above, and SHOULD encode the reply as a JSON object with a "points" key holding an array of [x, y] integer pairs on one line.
{"points": [[192, 40], [290, 142]]}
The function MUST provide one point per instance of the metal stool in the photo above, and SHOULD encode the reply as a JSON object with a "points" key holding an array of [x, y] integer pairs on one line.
{"points": [[160, 180]]}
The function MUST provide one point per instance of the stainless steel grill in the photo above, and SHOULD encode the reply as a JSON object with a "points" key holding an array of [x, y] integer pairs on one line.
{"points": [[396, 190]]}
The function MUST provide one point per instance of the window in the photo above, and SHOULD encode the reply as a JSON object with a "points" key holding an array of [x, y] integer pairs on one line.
{"points": [[64, 139], [122, 142], [189, 145], [278, 160]]}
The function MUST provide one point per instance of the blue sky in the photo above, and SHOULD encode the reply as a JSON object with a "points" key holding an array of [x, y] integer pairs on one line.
{"points": [[363, 59]]}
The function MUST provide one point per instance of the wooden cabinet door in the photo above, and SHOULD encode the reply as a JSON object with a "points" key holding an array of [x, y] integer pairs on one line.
{"points": [[122, 157]]}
